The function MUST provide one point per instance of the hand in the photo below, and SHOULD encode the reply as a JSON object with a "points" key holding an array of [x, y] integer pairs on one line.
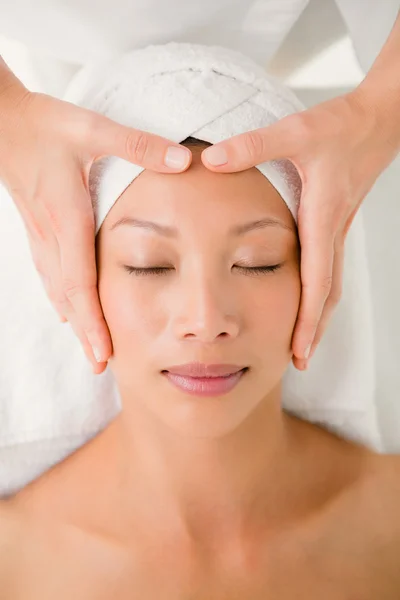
{"points": [[339, 149], [47, 147]]}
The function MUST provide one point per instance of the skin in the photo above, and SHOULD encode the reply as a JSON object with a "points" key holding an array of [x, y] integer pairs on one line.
{"points": [[225, 497]]}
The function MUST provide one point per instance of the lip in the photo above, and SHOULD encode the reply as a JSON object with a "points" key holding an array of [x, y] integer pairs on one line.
{"points": [[219, 379], [196, 369]]}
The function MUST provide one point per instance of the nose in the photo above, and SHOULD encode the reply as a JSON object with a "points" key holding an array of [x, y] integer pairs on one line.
{"points": [[205, 311]]}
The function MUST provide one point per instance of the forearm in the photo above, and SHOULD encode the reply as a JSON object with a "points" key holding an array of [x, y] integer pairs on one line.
{"points": [[10, 86], [7, 77], [380, 89]]}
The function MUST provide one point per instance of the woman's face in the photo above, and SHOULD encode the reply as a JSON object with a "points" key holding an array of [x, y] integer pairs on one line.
{"points": [[205, 302]]}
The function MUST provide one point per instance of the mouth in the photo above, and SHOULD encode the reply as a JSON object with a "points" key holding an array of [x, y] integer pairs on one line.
{"points": [[210, 385]]}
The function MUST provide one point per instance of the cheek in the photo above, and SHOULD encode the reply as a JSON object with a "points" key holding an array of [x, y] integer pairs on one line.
{"points": [[275, 312], [131, 312]]}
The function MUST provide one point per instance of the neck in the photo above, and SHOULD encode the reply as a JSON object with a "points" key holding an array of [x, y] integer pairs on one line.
{"points": [[207, 484]]}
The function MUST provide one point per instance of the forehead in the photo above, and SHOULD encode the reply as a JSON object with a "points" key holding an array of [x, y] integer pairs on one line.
{"points": [[202, 194]]}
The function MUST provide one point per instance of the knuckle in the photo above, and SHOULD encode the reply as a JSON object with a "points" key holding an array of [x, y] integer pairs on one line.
{"points": [[71, 288], [254, 143], [137, 146], [324, 284]]}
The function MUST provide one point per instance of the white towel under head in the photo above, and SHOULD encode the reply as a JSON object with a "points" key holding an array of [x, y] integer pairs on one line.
{"points": [[175, 90]]}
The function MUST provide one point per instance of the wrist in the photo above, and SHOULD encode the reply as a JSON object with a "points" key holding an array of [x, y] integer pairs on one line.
{"points": [[12, 90], [382, 108], [379, 92]]}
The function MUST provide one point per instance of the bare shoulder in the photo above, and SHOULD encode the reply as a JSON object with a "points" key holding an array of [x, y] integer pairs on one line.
{"points": [[380, 485], [9, 528], [11, 535], [376, 512]]}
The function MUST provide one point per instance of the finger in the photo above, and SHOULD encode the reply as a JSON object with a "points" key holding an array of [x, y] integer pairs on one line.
{"points": [[337, 283], [80, 286], [282, 139], [336, 290], [87, 348], [147, 150], [45, 253], [333, 298], [317, 251], [47, 262], [71, 317], [75, 235]]}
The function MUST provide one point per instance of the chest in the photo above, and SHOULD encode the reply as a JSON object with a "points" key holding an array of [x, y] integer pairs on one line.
{"points": [[336, 569]]}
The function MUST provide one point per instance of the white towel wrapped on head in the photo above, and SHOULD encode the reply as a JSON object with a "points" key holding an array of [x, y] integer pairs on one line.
{"points": [[181, 90], [47, 389]]}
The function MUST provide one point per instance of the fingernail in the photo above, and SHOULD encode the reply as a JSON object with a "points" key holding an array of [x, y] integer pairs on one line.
{"points": [[97, 353], [216, 156], [307, 351], [176, 158]]}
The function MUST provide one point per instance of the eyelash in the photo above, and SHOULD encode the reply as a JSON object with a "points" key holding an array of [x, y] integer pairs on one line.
{"points": [[163, 270]]}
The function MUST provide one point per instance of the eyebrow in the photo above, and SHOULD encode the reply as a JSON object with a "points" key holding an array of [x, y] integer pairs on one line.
{"points": [[172, 232]]}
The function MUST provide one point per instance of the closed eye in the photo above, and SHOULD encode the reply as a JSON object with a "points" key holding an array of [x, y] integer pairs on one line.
{"points": [[164, 270], [260, 270], [148, 271]]}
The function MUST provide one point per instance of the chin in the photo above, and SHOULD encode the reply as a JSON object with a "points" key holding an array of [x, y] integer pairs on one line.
{"points": [[213, 417]]}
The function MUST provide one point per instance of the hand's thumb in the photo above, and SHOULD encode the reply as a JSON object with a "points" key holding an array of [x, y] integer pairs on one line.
{"points": [[139, 147]]}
